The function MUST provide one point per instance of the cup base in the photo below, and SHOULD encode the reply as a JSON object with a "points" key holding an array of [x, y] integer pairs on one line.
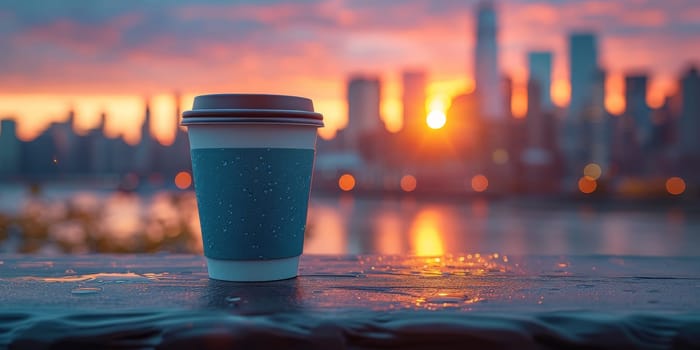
{"points": [[253, 270]]}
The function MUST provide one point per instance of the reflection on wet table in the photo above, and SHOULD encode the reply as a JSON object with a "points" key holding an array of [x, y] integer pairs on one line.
{"points": [[354, 300]]}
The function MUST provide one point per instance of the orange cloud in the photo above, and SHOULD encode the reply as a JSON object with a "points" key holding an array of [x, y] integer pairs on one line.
{"points": [[310, 49]]}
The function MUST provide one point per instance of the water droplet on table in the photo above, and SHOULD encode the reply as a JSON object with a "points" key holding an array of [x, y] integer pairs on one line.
{"points": [[85, 290], [232, 300]]}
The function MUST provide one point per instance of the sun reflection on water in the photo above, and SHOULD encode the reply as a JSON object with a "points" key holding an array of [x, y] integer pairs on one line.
{"points": [[53, 222], [426, 237]]}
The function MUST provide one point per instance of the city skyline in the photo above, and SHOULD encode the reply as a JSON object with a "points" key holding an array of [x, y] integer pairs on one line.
{"points": [[436, 38], [510, 155]]}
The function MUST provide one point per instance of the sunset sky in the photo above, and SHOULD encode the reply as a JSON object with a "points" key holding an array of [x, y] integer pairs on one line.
{"points": [[111, 55]]}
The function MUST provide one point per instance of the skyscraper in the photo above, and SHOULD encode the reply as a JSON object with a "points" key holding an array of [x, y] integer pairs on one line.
{"points": [[538, 100], [538, 153], [413, 100], [363, 109], [540, 68], [178, 154], [597, 128], [65, 142], [689, 124], [584, 71], [143, 156], [9, 148], [583, 65], [486, 68], [637, 109], [98, 149]]}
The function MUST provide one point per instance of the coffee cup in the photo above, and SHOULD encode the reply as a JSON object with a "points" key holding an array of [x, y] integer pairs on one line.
{"points": [[252, 161]]}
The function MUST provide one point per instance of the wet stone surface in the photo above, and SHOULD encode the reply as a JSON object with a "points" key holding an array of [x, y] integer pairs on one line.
{"points": [[467, 282], [625, 300]]}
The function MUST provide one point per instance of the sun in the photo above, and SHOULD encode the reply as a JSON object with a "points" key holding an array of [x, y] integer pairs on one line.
{"points": [[436, 119]]}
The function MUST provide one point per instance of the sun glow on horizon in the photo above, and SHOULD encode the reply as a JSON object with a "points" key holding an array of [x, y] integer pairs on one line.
{"points": [[615, 94], [560, 92], [518, 103], [437, 106], [436, 119], [125, 113], [35, 112]]}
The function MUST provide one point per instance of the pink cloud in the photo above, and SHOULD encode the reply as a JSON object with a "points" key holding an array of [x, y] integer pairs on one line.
{"points": [[278, 14], [645, 18], [535, 14], [289, 44], [690, 15], [84, 38], [600, 7]]}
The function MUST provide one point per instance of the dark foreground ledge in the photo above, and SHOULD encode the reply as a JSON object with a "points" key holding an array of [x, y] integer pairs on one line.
{"points": [[167, 301]]}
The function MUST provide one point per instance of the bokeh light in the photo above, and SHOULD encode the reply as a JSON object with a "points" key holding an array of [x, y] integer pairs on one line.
{"points": [[346, 182], [675, 186], [480, 183], [587, 185], [500, 156], [183, 180], [592, 171], [408, 183], [436, 119]]}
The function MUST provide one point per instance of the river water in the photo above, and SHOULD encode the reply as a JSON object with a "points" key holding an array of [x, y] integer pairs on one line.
{"points": [[62, 219]]}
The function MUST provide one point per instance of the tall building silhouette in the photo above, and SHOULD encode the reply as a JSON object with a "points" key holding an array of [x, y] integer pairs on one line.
{"points": [[65, 143], [540, 68], [538, 100], [9, 148], [584, 71], [413, 101], [597, 126], [143, 156], [689, 123], [98, 148], [637, 109], [178, 154], [486, 67], [538, 151], [688, 128], [364, 95]]}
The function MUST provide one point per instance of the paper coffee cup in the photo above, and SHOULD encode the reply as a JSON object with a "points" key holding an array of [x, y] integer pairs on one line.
{"points": [[252, 160]]}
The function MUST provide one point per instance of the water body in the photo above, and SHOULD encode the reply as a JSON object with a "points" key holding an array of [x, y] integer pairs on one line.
{"points": [[61, 219], [349, 225]]}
